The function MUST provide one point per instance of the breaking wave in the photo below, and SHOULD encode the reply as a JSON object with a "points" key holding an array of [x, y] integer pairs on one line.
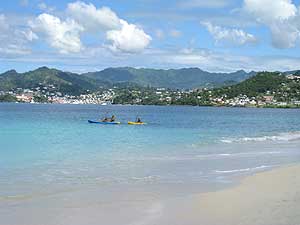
{"points": [[244, 169], [290, 136], [239, 154]]}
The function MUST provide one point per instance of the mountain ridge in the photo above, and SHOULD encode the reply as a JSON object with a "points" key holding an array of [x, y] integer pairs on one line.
{"points": [[74, 83], [184, 78], [65, 82]]}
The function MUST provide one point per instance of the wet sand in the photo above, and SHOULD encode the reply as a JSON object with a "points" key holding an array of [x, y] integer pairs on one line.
{"points": [[267, 198]]}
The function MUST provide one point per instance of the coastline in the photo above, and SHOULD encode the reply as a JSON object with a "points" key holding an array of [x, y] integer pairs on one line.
{"points": [[180, 105], [270, 197], [265, 198], [147, 175]]}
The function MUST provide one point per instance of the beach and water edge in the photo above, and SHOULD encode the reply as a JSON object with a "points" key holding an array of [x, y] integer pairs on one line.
{"points": [[269, 197], [265, 198], [218, 166]]}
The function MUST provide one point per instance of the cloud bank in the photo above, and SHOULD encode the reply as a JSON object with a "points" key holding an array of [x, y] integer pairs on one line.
{"points": [[232, 36], [61, 35], [65, 35], [282, 18]]}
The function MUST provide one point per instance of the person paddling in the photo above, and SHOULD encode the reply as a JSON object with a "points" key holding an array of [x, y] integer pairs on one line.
{"points": [[113, 118], [105, 119]]}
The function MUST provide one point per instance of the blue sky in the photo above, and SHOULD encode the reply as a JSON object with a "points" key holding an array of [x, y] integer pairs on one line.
{"points": [[214, 35]]}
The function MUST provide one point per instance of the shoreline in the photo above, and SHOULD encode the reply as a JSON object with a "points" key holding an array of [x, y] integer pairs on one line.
{"points": [[269, 197], [211, 106], [265, 198], [161, 182]]}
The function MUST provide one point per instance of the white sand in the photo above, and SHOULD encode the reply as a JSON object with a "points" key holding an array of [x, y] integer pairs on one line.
{"points": [[267, 198]]}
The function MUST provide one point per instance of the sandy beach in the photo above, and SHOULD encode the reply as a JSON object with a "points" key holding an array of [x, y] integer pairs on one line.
{"points": [[57, 169], [267, 198]]}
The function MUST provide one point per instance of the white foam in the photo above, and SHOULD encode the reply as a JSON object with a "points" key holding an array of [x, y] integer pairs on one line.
{"points": [[289, 136], [225, 154], [226, 141], [239, 154], [146, 178], [243, 169]]}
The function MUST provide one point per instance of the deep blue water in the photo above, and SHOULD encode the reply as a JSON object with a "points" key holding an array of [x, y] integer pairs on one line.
{"points": [[54, 146]]}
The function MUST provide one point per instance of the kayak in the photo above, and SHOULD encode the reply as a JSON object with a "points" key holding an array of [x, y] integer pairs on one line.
{"points": [[105, 123], [136, 123]]}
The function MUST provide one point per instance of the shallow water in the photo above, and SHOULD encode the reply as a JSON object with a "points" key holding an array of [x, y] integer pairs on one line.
{"points": [[52, 160]]}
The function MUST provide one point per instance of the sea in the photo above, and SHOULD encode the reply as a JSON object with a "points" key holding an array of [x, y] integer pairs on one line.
{"points": [[57, 169]]}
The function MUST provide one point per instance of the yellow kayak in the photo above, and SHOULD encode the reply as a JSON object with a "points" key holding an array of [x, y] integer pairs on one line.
{"points": [[136, 123]]}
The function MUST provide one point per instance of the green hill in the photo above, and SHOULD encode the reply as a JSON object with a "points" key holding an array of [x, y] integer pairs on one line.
{"points": [[65, 82], [262, 83], [185, 78], [72, 83], [276, 86]]}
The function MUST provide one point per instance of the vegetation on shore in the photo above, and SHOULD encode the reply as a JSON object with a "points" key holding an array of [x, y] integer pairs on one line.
{"points": [[75, 84], [8, 98], [265, 89]]}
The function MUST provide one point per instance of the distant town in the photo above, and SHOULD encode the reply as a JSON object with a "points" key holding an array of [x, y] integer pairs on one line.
{"points": [[49, 94], [272, 92], [264, 89]]}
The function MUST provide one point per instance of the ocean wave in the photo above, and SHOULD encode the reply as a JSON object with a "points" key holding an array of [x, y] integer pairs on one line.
{"points": [[200, 156], [290, 136], [244, 169], [146, 178], [239, 154]]}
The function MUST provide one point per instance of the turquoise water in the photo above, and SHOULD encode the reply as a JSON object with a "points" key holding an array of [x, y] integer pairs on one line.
{"points": [[41, 137], [47, 150]]}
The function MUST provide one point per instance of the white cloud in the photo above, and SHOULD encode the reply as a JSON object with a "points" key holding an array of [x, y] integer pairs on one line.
{"points": [[13, 40], [232, 36], [3, 22], [175, 33], [284, 34], [29, 35], [129, 38], [222, 62], [65, 35], [44, 7], [81, 18], [62, 35], [269, 10], [282, 18], [190, 4], [93, 19], [123, 36], [205, 59]]}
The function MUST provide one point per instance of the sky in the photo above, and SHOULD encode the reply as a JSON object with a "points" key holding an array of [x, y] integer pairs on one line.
{"points": [[90, 35]]}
